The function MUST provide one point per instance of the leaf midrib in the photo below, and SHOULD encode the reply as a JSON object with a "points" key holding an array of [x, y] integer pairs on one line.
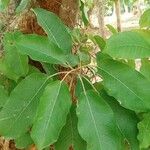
{"points": [[41, 52], [20, 113], [92, 116], [51, 112], [49, 29], [121, 83]]}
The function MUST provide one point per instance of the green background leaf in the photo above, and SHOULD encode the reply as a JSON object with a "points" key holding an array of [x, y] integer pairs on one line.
{"points": [[126, 121], [145, 19], [22, 5], [13, 58], [23, 141], [96, 123], [145, 68], [124, 84], [18, 113], [144, 130], [4, 4], [55, 29], [69, 136], [3, 96], [129, 45], [39, 48], [52, 112]]}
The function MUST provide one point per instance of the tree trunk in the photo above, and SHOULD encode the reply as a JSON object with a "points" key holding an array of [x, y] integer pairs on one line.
{"points": [[101, 14], [118, 14], [66, 10]]}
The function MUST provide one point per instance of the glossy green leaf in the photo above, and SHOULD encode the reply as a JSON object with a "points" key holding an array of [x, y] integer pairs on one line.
{"points": [[12, 59], [18, 113], [129, 45], [144, 130], [22, 6], [84, 13], [84, 58], [8, 84], [125, 84], [96, 123], [145, 68], [79, 87], [4, 4], [69, 136], [126, 121], [129, 62], [6, 71], [111, 29], [145, 33], [3, 96], [51, 116], [99, 41], [33, 69], [23, 141], [49, 68], [145, 19], [55, 29], [39, 48]]}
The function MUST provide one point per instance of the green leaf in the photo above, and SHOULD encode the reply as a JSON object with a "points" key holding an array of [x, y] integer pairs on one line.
{"points": [[97, 124], [4, 4], [79, 88], [23, 141], [129, 45], [145, 68], [99, 41], [3, 96], [51, 115], [125, 84], [84, 58], [33, 69], [55, 29], [49, 68], [69, 136], [144, 130], [8, 84], [111, 29], [39, 48], [84, 13], [129, 62], [145, 33], [12, 59], [18, 113], [6, 71], [145, 19], [22, 6], [126, 121]]}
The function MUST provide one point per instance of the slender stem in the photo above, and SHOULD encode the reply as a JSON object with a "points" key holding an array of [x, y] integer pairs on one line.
{"points": [[90, 84], [69, 72], [58, 73], [82, 84]]}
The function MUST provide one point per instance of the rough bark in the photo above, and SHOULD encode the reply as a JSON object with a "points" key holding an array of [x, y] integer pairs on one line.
{"points": [[65, 9], [118, 14], [68, 12], [100, 4]]}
